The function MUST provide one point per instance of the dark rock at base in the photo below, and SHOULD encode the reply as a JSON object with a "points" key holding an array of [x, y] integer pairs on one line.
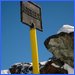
{"points": [[49, 69]]}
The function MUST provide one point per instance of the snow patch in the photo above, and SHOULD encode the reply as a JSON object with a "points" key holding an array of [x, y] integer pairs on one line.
{"points": [[66, 28]]}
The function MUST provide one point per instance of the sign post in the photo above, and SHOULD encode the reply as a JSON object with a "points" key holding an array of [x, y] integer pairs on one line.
{"points": [[34, 46], [31, 16]]}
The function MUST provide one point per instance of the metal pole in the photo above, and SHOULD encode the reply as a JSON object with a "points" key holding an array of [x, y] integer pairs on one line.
{"points": [[33, 38]]}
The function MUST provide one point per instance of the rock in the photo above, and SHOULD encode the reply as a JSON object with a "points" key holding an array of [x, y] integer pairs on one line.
{"points": [[62, 46], [51, 68], [46, 67], [54, 66], [27, 68], [21, 68]]}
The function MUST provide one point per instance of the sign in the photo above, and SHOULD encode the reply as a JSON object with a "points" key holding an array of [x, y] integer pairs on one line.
{"points": [[31, 15]]}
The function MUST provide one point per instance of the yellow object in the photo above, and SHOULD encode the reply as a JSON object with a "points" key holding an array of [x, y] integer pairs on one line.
{"points": [[34, 46]]}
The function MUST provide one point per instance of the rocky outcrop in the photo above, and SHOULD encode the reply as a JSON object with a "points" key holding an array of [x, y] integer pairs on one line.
{"points": [[21, 68], [62, 46], [49, 67], [52, 66]]}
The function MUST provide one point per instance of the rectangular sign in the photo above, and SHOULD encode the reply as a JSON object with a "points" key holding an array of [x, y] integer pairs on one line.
{"points": [[31, 15]]}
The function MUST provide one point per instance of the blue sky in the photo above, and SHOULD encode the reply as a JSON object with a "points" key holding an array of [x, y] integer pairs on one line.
{"points": [[16, 36]]}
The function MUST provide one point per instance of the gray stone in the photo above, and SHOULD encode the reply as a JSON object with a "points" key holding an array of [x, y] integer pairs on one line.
{"points": [[62, 46]]}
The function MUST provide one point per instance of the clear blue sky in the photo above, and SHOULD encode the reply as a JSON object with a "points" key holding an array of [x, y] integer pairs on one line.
{"points": [[16, 37]]}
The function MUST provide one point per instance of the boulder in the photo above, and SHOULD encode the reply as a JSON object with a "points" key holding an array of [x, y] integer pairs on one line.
{"points": [[62, 46], [48, 67], [51, 68]]}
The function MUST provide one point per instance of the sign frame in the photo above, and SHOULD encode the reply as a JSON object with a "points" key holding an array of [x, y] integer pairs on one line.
{"points": [[39, 13]]}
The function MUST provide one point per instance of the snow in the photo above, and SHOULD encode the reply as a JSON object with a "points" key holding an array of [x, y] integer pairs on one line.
{"points": [[66, 28], [43, 63], [53, 64], [5, 72], [68, 68]]}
